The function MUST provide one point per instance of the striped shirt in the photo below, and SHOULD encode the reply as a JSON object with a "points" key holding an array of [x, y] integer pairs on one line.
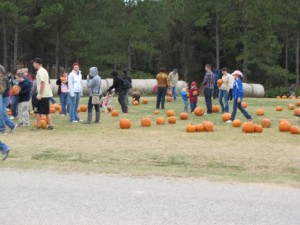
{"points": [[208, 81]]}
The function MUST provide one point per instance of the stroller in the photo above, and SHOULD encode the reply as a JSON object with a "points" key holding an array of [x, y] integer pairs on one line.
{"points": [[105, 104]]}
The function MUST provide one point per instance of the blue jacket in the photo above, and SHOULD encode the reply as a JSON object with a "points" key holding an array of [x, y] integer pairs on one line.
{"points": [[24, 94], [237, 91], [184, 96]]}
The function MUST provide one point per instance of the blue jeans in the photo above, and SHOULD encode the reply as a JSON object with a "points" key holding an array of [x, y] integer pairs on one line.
{"points": [[161, 95], [238, 105], [193, 106], [14, 105], [64, 102], [6, 119], [173, 89], [186, 105], [224, 104], [207, 96], [3, 147], [74, 102]]}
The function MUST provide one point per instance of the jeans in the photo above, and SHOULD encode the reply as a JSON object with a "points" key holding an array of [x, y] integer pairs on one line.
{"points": [[224, 104], [236, 105], [207, 96], [123, 99], [3, 147], [7, 120], [64, 102], [74, 102], [90, 106], [161, 95], [193, 106], [14, 105], [215, 91], [173, 89], [186, 105]]}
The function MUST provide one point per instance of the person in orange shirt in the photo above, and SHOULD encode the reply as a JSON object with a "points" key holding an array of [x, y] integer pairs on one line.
{"points": [[162, 86]]}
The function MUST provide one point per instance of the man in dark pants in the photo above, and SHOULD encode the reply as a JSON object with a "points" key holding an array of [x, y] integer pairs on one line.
{"points": [[120, 88], [208, 84]]}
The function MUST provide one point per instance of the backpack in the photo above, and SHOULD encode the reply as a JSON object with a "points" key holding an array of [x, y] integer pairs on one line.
{"points": [[125, 84]]}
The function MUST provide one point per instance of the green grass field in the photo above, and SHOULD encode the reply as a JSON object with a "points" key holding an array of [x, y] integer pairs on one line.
{"points": [[164, 150]]}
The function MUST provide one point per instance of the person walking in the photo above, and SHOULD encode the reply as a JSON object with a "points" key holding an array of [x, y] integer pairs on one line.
{"points": [[44, 93], [62, 92], [208, 84], [224, 90], [75, 90], [126, 76], [94, 87], [173, 78], [238, 94], [24, 100], [121, 86], [162, 86]]}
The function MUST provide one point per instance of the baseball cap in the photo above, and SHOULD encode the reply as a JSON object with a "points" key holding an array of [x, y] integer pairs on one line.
{"points": [[38, 60]]}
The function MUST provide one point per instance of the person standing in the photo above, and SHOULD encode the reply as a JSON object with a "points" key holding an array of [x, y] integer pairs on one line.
{"points": [[121, 86], [238, 94], [208, 84], [185, 97], [75, 90], [193, 95], [24, 100], [62, 92], [173, 78], [162, 86], [94, 86], [224, 90], [44, 93], [292, 89], [125, 76]]}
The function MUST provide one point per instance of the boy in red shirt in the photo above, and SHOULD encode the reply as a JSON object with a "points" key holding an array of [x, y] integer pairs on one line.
{"points": [[193, 93]]}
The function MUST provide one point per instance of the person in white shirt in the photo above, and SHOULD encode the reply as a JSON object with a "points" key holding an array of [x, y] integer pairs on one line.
{"points": [[74, 90]]}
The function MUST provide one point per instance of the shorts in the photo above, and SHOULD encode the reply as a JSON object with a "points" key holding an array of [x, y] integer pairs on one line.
{"points": [[42, 106]]}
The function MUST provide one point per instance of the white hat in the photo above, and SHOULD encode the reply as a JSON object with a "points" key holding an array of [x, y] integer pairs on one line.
{"points": [[238, 73]]}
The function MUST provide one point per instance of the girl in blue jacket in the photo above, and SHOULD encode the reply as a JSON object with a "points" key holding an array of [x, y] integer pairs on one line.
{"points": [[238, 94]]}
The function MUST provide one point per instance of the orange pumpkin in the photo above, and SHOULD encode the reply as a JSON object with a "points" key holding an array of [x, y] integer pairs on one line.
{"points": [[284, 126], [115, 112], [35, 124], [135, 102], [284, 97], [83, 108], [295, 130], [184, 116], [199, 127], [52, 110], [44, 117], [226, 117], [215, 108], [125, 123], [145, 101], [146, 122], [297, 112], [244, 104], [170, 113], [258, 128], [278, 97], [56, 106], [220, 82], [298, 103], [169, 93], [156, 112], [172, 119], [292, 97], [199, 111], [208, 126], [266, 123], [237, 123], [78, 109], [279, 108], [160, 121], [248, 127], [190, 128], [15, 90], [260, 112], [169, 98], [291, 106], [43, 124]]}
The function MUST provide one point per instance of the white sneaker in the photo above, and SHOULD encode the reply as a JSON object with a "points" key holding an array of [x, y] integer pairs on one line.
{"points": [[229, 121], [12, 118], [63, 115], [74, 121]]}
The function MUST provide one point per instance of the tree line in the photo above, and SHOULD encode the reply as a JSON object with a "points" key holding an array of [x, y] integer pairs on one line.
{"points": [[261, 38]]}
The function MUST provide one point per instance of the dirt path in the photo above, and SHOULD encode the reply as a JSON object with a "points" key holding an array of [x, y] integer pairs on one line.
{"points": [[48, 198]]}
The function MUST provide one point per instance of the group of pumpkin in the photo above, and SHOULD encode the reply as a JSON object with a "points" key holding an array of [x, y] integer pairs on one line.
{"points": [[57, 108]]}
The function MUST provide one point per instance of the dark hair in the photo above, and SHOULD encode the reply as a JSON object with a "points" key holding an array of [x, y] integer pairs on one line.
{"points": [[162, 69], [224, 69], [114, 73]]}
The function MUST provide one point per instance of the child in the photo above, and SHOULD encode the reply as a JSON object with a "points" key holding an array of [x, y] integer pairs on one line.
{"points": [[238, 94], [193, 93], [136, 94], [185, 97]]}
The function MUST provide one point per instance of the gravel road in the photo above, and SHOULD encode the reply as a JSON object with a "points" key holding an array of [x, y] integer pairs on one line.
{"points": [[48, 198]]}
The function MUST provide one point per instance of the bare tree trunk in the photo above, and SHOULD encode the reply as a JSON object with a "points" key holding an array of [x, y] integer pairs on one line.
{"points": [[217, 42], [286, 58], [57, 54], [4, 31], [297, 57], [16, 38], [129, 66]]}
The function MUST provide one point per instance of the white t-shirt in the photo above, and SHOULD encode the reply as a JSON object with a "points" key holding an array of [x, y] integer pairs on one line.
{"points": [[42, 75]]}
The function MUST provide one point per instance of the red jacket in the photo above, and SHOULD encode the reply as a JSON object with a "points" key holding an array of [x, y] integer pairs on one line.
{"points": [[194, 93]]}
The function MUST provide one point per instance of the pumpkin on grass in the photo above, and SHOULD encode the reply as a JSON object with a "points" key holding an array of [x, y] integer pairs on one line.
{"points": [[160, 121], [56, 106], [125, 123], [226, 117], [199, 127], [208, 126], [199, 111], [83, 108], [215, 108], [191, 128], [244, 104], [297, 112], [145, 101], [172, 119], [44, 124], [184, 116], [284, 126], [298, 103], [266, 123], [284, 97], [260, 112], [156, 111], [135, 102], [248, 127], [258, 128], [170, 113], [115, 112], [279, 108], [146, 122], [237, 123], [295, 130], [291, 106]]}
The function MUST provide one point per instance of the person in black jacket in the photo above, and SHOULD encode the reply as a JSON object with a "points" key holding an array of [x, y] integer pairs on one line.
{"points": [[62, 92], [121, 88], [24, 100]]}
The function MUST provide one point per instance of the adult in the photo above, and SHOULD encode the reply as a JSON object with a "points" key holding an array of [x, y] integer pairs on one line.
{"points": [[238, 94], [44, 93], [208, 84], [173, 79], [94, 85], [75, 90], [62, 92], [224, 90], [162, 86], [126, 76], [292, 89], [4, 119], [121, 86], [24, 100], [216, 87]]}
